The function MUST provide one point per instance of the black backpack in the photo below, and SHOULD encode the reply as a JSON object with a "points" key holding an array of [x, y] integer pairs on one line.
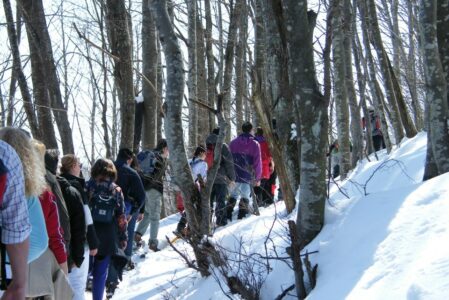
{"points": [[103, 202]]}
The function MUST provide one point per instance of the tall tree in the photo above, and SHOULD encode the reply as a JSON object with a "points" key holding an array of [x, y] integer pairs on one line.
{"points": [[210, 63], [119, 33], [150, 82], [436, 85], [340, 33], [192, 80], [313, 114]]}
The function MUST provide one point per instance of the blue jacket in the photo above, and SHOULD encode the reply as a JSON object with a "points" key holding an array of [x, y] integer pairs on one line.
{"points": [[247, 161]]}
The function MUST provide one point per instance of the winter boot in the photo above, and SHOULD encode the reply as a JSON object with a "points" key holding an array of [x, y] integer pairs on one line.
{"points": [[110, 289], [243, 208], [230, 208], [153, 246]]}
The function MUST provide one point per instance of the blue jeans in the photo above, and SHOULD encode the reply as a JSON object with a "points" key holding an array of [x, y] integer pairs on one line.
{"points": [[99, 274], [131, 229], [152, 215]]}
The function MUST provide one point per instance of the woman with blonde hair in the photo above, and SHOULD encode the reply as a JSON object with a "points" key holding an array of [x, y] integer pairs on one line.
{"points": [[34, 186], [71, 171]]}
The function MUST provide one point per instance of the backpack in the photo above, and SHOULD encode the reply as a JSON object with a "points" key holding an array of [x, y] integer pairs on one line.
{"points": [[146, 159], [103, 203], [210, 155]]}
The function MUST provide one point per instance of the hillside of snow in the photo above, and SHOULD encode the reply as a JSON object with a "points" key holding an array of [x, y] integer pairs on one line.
{"points": [[385, 237]]}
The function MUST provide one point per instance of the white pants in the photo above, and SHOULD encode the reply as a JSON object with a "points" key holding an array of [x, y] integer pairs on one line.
{"points": [[78, 277]]}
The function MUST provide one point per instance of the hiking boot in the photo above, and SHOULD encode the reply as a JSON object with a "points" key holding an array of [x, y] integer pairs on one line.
{"points": [[243, 208], [89, 284], [153, 246], [130, 266], [230, 208], [110, 289], [138, 240]]}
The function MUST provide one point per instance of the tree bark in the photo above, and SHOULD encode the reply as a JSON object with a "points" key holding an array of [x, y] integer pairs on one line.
{"points": [[202, 88], [149, 69], [210, 64], [21, 79], [340, 31], [38, 35], [117, 23], [436, 86], [240, 72], [313, 114], [382, 56], [192, 80]]}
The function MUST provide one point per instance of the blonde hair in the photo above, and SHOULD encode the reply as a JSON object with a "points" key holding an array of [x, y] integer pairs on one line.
{"points": [[32, 162], [67, 163]]}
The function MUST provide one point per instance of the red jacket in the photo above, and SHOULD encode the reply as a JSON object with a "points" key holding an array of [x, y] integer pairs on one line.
{"points": [[265, 156], [54, 230]]}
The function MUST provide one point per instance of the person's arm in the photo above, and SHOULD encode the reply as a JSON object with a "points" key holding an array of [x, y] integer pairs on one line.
{"points": [[257, 162], [17, 254], [137, 190], [77, 225], [226, 155]]}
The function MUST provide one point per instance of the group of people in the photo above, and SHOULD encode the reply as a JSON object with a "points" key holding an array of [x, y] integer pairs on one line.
{"points": [[376, 136], [59, 231]]}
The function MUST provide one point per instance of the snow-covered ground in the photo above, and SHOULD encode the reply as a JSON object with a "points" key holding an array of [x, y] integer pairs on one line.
{"points": [[386, 237]]}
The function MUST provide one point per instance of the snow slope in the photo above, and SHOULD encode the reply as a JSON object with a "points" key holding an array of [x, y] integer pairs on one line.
{"points": [[385, 237]]}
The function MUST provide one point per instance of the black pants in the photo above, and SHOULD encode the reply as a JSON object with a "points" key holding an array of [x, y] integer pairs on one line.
{"points": [[218, 195], [378, 142]]}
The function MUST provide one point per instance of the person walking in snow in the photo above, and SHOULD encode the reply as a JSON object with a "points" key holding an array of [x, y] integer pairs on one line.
{"points": [[153, 164], [225, 178], [265, 192], [376, 132], [198, 166], [248, 168]]}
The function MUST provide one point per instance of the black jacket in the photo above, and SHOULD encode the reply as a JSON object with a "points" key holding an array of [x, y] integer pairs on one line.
{"points": [[226, 172], [74, 202], [131, 184], [80, 184]]}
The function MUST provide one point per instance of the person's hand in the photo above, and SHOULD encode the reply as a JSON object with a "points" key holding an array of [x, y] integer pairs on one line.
{"points": [[93, 252], [257, 183], [123, 244], [139, 217], [14, 292], [231, 185]]}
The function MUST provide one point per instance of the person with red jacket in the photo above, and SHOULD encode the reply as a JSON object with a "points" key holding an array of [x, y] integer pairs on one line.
{"points": [[265, 192]]}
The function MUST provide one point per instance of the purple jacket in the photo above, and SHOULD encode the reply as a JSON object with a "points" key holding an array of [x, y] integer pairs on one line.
{"points": [[247, 161]]}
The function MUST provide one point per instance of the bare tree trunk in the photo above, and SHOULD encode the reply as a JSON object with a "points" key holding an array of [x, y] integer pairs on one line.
{"points": [[174, 133], [192, 81], [411, 70], [210, 64], [38, 76], [373, 83], [35, 17], [202, 88], [314, 120], [18, 71], [278, 88], [117, 23], [436, 86], [340, 30], [382, 56], [234, 24], [240, 71], [149, 70], [356, 122]]}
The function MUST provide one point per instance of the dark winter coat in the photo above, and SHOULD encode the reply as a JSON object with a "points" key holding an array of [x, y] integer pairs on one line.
{"points": [[226, 172], [110, 234], [80, 185], [157, 179], [74, 202], [247, 161], [131, 184]]}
